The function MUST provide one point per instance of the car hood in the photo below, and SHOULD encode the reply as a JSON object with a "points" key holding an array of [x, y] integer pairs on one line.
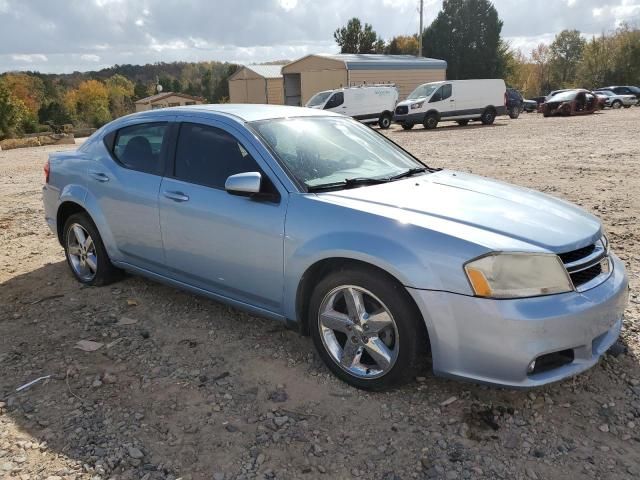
{"points": [[524, 215]]}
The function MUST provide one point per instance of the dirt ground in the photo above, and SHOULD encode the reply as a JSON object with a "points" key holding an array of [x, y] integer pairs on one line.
{"points": [[185, 387]]}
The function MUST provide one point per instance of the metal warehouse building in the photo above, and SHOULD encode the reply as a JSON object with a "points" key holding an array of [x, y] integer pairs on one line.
{"points": [[311, 74], [257, 84]]}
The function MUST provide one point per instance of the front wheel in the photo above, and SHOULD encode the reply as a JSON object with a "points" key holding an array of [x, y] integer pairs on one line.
{"points": [[616, 104], [430, 121], [514, 112], [384, 121], [85, 252], [366, 328], [488, 117]]}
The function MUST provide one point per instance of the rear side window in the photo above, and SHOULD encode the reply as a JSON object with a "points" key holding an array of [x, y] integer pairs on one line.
{"points": [[208, 156], [335, 101], [139, 147]]}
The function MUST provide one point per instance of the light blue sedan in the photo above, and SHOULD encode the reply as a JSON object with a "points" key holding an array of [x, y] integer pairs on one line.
{"points": [[315, 220]]}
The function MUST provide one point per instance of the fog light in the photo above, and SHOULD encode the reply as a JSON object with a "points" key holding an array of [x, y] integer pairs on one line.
{"points": [[531, 367]]}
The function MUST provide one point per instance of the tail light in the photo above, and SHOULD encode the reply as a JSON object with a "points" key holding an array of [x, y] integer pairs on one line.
{"points": [[46, 172]]}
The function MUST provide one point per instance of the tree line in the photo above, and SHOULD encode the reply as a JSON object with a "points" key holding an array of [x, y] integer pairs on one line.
{"points": [[33, 102]]}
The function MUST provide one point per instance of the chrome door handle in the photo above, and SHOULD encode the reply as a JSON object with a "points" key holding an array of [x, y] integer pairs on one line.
{"points": [[176, 196], [99, 176]]}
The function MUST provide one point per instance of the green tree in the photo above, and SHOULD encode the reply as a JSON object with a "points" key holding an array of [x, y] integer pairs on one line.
{"points": [[354, 38], [140, 90], [566, 52], [12, 112], [596, 62], [120, 91], [466, 33]]}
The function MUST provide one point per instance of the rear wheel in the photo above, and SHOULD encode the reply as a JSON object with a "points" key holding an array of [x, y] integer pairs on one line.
{"points": [[85, 252], [488, 116], [407, 126], [366, 328], [462, 123], [514, 112], [430, 121], [384, 121]]}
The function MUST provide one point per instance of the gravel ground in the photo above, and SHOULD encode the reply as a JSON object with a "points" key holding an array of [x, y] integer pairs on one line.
{"points": [[185, 387]]}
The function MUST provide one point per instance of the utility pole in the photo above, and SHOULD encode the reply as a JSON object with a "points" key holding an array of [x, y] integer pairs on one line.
{"points": [[420, 32]]}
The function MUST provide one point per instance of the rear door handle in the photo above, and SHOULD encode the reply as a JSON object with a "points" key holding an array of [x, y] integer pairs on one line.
{"points": [[99, 176], [176, 196]]}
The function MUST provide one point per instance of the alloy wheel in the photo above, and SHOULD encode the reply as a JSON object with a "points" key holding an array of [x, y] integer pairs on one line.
{"points": [[82, 252], [358, 331]]}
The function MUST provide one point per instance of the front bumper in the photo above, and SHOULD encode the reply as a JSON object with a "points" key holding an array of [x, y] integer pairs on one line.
{"points": [[409, 117], [493, 341]]}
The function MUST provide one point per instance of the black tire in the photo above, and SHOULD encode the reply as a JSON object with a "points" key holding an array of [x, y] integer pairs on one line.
{"points": [[616, 104], [407, 126], [105, 272], [488, 116], [514, 112], [384, 121], [412, 338], [462, 123], [430, 121]]}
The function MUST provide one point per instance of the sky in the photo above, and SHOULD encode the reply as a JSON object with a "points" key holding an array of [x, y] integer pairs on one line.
{"points": [[68, 35]]}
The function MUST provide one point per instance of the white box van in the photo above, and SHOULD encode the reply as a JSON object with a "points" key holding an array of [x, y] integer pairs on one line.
{"points": [[456, 100], [367, 103]]}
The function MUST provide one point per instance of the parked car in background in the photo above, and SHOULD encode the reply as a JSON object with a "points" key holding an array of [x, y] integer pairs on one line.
{"points": [[310, 218], [514, 103], [615, 100], [529, 106], [367, 103], [623, 90], [454, 100], [571, 102]]}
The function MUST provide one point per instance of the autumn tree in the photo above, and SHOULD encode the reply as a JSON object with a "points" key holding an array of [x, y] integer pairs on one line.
{"points": [[403, 45], [89, 103], [566, 52], [541, 59], [12, 112], [121, 92], [354, 38], [466, 33]]}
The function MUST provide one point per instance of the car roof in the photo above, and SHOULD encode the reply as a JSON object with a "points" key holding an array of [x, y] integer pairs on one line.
{"points": [[241, 112]]}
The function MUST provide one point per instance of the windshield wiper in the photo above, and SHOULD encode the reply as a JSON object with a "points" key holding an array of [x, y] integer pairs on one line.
{"points": [[347, 183], [408, 173]]}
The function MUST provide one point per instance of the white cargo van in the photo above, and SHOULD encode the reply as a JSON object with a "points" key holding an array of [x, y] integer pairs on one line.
{"points": [[456, 100], [367, 103]]}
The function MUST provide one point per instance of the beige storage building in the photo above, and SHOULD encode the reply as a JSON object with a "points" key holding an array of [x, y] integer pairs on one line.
{"points": [[309, 75], [167, 99], [257, 84]]}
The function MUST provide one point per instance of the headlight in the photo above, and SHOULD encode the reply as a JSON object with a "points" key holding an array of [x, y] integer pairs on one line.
{"points": [[416, 105], [516, 275]]}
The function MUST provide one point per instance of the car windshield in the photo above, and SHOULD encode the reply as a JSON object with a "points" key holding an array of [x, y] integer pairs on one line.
{"points": [[334, 151], [423, 91], [564, 96], [319, 99]]}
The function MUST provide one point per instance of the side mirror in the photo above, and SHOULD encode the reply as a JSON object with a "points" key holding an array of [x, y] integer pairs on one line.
{"points": [[244, 184]]}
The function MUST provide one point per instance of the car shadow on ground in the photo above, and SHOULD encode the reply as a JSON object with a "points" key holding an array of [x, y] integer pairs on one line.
{"points": [[447, 127], [181, 384]]}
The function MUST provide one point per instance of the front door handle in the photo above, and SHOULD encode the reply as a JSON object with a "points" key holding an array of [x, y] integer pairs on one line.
{"points": [[99, 176], [176, 196], [452, 100]]}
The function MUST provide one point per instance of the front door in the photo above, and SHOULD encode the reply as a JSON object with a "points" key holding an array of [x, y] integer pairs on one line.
{"points": [[226, 244], [443, 101]]}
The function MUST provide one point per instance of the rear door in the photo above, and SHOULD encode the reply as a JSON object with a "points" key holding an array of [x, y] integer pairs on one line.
{"points": [[225, 244], [126, 185]]}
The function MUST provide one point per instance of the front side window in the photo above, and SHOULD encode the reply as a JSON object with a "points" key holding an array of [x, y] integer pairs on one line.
{"points": [[208, 156], [443, 93], [319, 151], [335, 101], [139, 147], [422, 91], [318, 99]]}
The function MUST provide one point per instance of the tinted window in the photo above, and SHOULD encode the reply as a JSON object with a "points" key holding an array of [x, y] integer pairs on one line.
{"points": [[208, 156], [335, 101], [443, 93], [138, 147]]}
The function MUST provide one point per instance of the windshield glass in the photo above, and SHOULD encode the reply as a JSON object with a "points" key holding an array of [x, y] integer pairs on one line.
{"points": [[318, 99], [327, 150], [564, 96], [423, 91]]}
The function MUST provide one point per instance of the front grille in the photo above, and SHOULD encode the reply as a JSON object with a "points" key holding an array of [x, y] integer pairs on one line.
{"points": [[584, 276], [576, 255], [586, 264], [402, 110]]}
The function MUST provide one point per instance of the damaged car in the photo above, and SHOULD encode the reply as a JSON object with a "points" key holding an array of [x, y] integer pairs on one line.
{"points": [[571, 102]]}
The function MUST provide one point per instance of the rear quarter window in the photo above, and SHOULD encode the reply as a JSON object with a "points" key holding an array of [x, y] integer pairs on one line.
{"points": [[139, 147]]}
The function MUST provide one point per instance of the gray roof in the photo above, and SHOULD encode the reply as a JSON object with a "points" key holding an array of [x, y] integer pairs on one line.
{"points": [[267, 71], [373, 61]]}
